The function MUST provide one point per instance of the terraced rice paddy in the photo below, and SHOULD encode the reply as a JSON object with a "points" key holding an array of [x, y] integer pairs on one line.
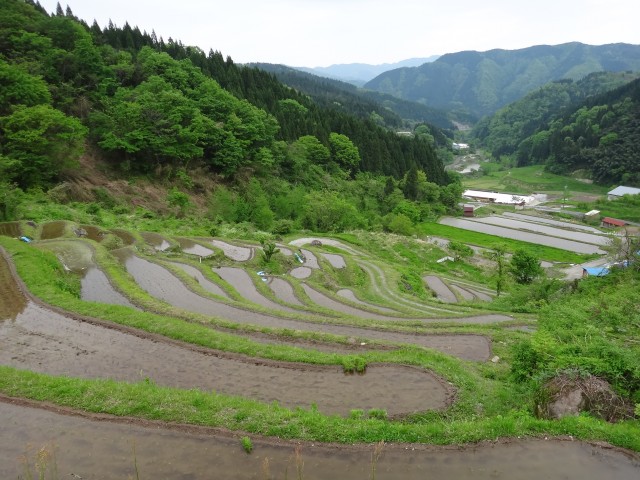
{"points": [[36, 337]]}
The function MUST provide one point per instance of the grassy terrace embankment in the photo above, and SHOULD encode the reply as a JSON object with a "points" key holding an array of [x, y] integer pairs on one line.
{"points": [[504, 409]]}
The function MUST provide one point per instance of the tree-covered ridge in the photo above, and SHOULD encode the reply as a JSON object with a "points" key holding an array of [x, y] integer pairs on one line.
{"points": [[383, 109], [482, 82], [158, 110], [226, 115], [503, 132], [601, 135]]}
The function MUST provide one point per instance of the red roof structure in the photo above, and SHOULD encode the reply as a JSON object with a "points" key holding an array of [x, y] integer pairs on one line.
{"points": [[613, 222]]}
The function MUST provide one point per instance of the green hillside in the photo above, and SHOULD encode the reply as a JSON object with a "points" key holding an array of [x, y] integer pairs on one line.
{"points": [[481, 82]]}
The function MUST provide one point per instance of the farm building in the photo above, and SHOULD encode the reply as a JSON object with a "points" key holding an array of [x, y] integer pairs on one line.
{"points": [[618, 192], [469, 210], [609, 222], [495, 197]]}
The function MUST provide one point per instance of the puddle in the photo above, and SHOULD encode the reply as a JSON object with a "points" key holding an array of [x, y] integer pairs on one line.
{"points": [[193, 248], [300, 272], [126, 237], [160, 283], [284, 291], [204, 282], [336, 261], [157, 241], [10, 229], [240, 280], [52, 230], [87, 448], [234, 252], [441, 290]]}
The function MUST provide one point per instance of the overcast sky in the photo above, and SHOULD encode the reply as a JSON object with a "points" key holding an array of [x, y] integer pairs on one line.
{"points": [[315, 33]]}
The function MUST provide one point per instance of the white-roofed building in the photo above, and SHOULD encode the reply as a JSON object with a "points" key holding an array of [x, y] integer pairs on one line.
{"points": [[618, 192], [495, 197]]}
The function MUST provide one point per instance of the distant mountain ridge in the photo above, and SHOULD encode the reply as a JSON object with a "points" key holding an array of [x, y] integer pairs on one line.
{"points": [[360, 73], [482, 82]]}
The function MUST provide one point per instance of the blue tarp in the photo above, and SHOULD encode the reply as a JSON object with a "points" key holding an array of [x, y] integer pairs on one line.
{"points": [[597, 271]]}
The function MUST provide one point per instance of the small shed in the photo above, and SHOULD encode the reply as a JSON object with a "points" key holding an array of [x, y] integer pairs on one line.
{"points": [[609, 222], [469, 210]]}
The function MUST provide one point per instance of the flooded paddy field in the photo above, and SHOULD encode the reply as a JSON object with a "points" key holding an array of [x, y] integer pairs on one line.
{"points": [[10, 229], [109, 448], [551, 221], [193, 248], [540, 239], [157, 241], [51, 230], [234, 252], [39, 339], [160, 283], [544, 229]]}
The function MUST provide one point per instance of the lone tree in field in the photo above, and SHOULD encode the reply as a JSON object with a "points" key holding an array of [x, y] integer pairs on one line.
{"points": [[525, 267]]}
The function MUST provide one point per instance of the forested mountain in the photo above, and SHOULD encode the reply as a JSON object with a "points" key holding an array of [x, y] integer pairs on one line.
{"points": [[601, 135], [383, 109], [158, 108], [482, 82], [361, 73], [502, 132]]}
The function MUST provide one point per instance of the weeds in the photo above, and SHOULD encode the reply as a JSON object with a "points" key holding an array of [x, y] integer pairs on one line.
{"points": [[375, 456], [247, 445], [44, 466]]}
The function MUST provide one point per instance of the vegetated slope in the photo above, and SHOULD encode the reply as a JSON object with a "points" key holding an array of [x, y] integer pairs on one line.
{"points": [[502, 132], [482, 82], [329, 93], [360, 73], [601, 135], [151, 103]]}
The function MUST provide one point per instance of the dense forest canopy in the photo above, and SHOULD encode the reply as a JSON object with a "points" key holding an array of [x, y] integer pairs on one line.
{"points": [[148, 105], [591, 124]]}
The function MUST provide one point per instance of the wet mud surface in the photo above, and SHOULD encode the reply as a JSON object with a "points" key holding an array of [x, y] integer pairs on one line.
{"points": [[234, 252], [284, 291], [39, 339], [126, 237], [204, 282], [10, 229], [53, 230], [76, 256], [349, 295], [336, 261], [241, 281], [300, 272], [540, 239], [193, 248], [94, 233], [160, 283], [102, 447], [158, 242], [442, 291]]}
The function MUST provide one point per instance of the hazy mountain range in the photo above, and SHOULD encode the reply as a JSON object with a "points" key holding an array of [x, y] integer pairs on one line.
{"points": [[480, 83], [361, 73]]}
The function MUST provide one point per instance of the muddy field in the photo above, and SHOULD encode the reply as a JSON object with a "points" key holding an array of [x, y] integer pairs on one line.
{"points": [[126, 447]]}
